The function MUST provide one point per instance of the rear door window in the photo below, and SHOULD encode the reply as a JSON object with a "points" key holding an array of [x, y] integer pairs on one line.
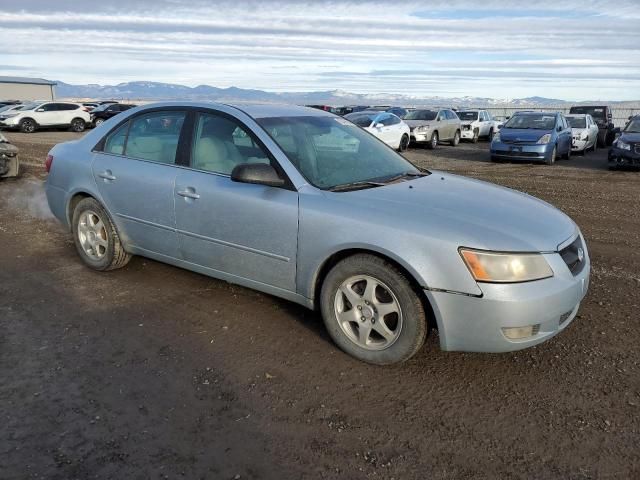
{"points": [[116, 140]]}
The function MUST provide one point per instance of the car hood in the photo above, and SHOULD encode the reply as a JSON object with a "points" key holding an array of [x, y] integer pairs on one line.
{"points": [[418, 123], [476, 213], [630, 137], [522, 134]]}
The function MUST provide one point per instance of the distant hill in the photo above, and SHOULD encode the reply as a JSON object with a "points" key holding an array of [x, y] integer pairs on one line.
{"points": [[148, 91]]}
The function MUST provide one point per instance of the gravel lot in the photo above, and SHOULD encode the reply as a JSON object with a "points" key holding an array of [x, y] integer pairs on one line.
{"points": [[156, 372]]}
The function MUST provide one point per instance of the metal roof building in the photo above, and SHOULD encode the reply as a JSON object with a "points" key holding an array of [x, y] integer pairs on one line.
{"points": [[23, 88]]}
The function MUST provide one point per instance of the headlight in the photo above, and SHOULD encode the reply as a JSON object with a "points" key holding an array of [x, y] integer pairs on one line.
{"points": [[584, 135], [496, 137], [422, 128], [622, 145], [506, 267], [546, 138]]}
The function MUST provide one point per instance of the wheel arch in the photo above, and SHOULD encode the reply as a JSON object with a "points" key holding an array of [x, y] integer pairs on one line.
{"points": [[325, 267], [29, 118]]}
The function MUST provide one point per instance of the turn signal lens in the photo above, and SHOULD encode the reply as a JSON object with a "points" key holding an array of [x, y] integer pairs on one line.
{"points": [[506, 267]]}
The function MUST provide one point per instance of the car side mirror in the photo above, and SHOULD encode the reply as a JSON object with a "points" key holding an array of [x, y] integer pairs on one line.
{"points": [[257, 173], [378, 125], [559, 128]]}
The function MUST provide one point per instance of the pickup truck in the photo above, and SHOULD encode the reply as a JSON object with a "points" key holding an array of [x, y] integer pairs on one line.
{"points": [[603, 118]]}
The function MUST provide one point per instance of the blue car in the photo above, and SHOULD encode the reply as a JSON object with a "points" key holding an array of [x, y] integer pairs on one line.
{"points": [[305, 205], [533, 137], [625, 150]]}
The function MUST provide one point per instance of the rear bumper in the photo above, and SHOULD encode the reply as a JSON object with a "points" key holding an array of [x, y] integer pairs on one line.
{"points": [[476, 324], [522, 152]]}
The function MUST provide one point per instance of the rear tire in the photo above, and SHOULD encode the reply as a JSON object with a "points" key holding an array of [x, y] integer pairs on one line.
{"points": [[456, 139], [567, 156], [433, 143], [96, 238], [28, 125], [490, 137], [353, 297], [77, 125]]}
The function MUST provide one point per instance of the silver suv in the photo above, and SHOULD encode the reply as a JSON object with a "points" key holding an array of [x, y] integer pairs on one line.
{"points": [[433, 126]]}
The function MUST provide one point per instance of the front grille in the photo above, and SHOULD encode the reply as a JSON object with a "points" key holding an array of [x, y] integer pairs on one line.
{"points": [[466, 127], [517, 154], [574, 256]]}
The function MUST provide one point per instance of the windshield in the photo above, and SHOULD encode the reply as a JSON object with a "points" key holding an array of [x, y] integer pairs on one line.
{"points": [[29, 106], [362, 119], [577, 122], [331, 151], [468, 115], [535, 121], [421, 115], [633, 126]]}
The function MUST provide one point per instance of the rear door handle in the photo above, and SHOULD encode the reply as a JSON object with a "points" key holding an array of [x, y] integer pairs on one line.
{"points": [[189, 193], [107, 175]]}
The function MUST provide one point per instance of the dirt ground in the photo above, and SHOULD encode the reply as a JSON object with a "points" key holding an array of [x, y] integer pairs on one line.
{"points": [[156, 372]]}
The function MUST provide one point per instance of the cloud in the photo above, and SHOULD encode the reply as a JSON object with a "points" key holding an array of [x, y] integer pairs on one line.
{"points": [[571, 49]]}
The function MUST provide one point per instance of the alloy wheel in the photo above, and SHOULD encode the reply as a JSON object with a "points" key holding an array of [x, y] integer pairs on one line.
{"points": [[92, 235], [368, 312]]}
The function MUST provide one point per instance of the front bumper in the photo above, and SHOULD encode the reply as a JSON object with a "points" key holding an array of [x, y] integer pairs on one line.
{"points": [[624, 158], [522, 152], [421, 137], [578, 145], [475, 324], [467, 132]]}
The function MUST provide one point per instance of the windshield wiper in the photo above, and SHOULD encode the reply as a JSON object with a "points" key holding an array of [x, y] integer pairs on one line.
{"points": [[405, 174], [355, 186]]}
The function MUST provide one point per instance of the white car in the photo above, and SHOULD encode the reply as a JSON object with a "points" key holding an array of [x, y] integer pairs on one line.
{"points": [[46, 114], [584, 131], [478, 123], [386, 126]]}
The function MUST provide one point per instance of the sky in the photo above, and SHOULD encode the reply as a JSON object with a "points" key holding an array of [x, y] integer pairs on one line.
{"points": [[570, 50]]}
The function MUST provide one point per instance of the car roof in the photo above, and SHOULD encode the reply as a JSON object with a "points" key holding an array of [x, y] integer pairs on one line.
{"points": [[578, 115], [536, 113], [255, 110]]}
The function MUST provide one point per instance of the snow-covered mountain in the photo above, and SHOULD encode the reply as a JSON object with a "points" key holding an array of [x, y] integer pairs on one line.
{"points": [[147, 91]]}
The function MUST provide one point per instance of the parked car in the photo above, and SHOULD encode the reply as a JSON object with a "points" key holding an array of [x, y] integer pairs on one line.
{"points": [[4, 103], [603, 118], [9, 163], [399, 112], [11, 107], [342, 111], [106, 111], [37, 115], [324, 108], [533, 137], [384, 250], [476, 124], [386, 126], [430, 127], [90, 105], [625, 150], [584, 132]]}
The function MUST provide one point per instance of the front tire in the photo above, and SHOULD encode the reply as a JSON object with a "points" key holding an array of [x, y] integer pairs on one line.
{"points": [[404, 143], [371, 310], [96, 237], [98, 122], [456, 139], [476, 134], [433, 143], [490, 137], [28, 125], [567, 156], [552, 159]]}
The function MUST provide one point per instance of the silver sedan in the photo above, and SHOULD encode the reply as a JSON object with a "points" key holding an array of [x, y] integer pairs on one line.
{"points": [[304, 205]]}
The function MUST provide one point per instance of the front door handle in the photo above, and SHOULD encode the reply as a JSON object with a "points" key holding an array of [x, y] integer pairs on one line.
{"points": [[189, 193], [107, 175]]}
